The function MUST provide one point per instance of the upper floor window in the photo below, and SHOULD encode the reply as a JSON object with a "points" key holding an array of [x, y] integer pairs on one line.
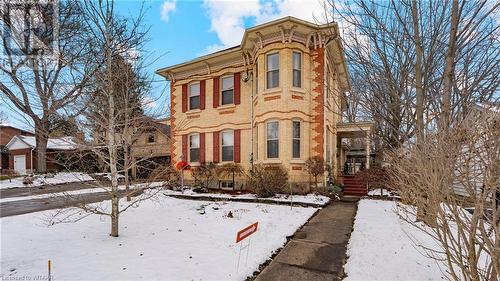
{"points": [[227, 89], [194, 96], [273, 70], [297, 69], [227, 146], [194, 148], [328, 74], [151, 137], [272, 139], [296, 139], [256, 77]]}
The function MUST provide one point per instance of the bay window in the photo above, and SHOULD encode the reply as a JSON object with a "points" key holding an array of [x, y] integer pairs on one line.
{"points": [[297, 69], [273, 70], [272, 139]]}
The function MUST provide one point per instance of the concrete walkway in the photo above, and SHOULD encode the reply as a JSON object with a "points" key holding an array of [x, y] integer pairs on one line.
{"points": [[318, 250]]}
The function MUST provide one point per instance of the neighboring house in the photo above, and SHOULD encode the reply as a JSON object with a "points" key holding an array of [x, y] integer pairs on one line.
{"points": [[150, 145], [153, 145], [276, 98], [22, 153], [7, 132]]}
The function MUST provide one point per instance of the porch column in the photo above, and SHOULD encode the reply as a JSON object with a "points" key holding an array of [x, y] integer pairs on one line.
{"points": [[335, 164], [367, 150]]}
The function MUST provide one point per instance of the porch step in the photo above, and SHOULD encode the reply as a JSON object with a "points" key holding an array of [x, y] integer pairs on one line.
{"points": [[353, 186]]}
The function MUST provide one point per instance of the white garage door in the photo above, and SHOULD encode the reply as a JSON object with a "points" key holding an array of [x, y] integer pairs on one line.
{"points": [[20, 164]]}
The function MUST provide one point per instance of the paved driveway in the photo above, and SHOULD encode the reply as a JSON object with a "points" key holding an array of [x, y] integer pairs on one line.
{"points": [[20, 207]]}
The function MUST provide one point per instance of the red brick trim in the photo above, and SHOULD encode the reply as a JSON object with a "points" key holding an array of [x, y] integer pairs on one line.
{"points": [[272, 98], [318, 101]]}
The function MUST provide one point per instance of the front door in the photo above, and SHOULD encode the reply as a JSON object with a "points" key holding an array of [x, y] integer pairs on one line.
{"points": [[20, 164]]}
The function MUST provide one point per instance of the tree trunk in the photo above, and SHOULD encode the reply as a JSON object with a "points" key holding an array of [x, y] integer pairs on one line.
{"points": [[114, 214], [449, 70], [419, 107], [112, 143], [41, 152]]}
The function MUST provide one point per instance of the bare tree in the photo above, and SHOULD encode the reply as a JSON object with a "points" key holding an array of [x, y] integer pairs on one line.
{"points": [[120, 121], [422, 64], [458, 170], [47, 66]]}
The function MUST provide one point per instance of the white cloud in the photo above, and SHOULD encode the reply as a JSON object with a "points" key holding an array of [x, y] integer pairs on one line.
{"points": [[148, 102], [167, 8], [228, 17]]}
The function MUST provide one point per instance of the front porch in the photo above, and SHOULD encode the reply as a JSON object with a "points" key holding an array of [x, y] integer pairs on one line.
{"points": [[354, 155]]}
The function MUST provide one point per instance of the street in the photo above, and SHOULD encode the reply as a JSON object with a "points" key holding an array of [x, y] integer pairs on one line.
{"points": [[19, 207]]}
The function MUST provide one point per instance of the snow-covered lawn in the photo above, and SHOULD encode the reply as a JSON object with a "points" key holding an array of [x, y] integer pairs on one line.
{"points": [[39, 180], [163, 239], [380, 247], [317, 199], [77, 192]]}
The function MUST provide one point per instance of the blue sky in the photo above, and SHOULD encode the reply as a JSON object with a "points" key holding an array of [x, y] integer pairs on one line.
{"points": [[183, 30]]}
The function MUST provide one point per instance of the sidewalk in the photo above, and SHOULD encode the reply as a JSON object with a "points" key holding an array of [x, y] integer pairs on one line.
{"points": [[317, 251]]}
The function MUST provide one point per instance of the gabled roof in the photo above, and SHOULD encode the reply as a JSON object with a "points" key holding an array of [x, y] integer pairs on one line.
{"points": [[8, 125], [63, 143]]}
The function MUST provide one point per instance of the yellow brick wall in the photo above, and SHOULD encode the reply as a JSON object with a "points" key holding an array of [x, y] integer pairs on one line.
{"points": [[284, 104]]}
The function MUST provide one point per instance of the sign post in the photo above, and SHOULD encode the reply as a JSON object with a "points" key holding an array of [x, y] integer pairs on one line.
{"points": [[242, 235], [182, 165]]}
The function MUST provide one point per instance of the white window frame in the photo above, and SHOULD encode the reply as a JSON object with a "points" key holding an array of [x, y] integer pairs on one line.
{"points": [[270, 70], [191, 95], [222, 144], [299, 69], [272, 139], [231, 76], [190, 147], [297, 139]]}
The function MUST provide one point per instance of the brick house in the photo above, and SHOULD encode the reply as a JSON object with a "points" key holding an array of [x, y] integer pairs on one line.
{"points": [[7, 132], [278, 97], [22, 153]]}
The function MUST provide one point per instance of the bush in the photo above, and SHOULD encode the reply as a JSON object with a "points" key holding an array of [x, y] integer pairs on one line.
{"points": [[315, 166], [166, 173], [374, 177], [229, 170], [205, 174], [268, 180]]}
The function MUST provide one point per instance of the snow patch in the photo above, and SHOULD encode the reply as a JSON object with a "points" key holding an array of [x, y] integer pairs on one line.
{"points": [[161, 239], [380, 247], [40, 180]]}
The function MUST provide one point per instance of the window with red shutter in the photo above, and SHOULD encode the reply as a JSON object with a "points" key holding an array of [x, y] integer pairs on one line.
{"points": [[237, 88], [216, 147], [237, 145], [184, 97], [184, 147], [202, 147], [216, 92], [202, 94]]}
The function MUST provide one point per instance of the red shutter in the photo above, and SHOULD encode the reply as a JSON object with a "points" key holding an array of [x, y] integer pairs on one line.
{"points": [[216, 91], [237, 88], [184, 98], [202, 147], [185, 147], [237, 142], [216, 147], [202, 94]]}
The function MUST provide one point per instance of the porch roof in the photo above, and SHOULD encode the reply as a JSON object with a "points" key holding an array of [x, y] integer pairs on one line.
{"points": [[355, 129]]}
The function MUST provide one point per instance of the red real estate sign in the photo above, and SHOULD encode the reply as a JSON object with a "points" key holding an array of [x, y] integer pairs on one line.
{"points": [[247, 231]]}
